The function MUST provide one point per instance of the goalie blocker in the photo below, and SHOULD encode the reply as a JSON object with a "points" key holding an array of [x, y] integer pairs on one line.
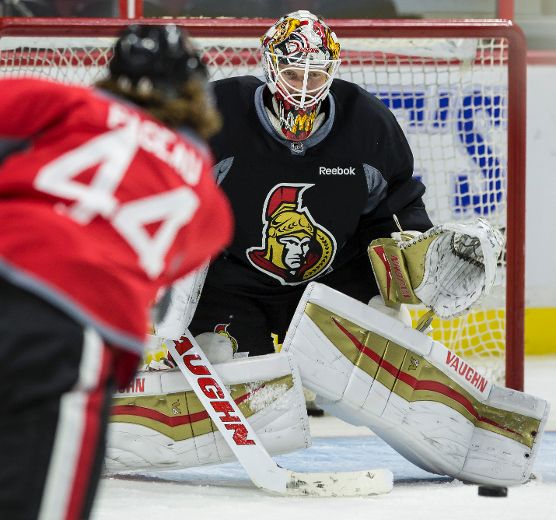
{"points": [[426, 402]]}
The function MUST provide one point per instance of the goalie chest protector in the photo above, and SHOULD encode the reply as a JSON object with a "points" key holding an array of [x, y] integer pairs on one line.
{"points": [[297, 204]]}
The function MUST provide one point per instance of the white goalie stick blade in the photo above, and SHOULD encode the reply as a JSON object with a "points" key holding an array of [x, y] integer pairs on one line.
{"points": [[246, 446], [339, 484]]}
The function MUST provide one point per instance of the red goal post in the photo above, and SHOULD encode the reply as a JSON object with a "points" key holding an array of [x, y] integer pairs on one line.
{"points": [[458, 88]]}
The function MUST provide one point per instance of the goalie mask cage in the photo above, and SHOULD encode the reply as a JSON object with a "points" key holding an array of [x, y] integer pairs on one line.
{"points": [[457, 88]]}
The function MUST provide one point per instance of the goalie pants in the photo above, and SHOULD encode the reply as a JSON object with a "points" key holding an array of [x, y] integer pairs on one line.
{"points": [[56, 385], [259, 322]]}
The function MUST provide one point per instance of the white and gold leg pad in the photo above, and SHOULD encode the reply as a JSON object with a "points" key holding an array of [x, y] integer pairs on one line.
{"points": [[425, 401], [159, 423]]}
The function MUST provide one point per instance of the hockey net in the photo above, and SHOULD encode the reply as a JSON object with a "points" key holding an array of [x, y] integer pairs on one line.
{"points": [[457, 89]]}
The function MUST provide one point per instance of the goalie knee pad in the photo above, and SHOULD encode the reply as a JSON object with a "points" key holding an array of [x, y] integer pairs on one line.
{"points": [[425, 401], [217, 347], [399, 312], [158, 421], [174, 312]]}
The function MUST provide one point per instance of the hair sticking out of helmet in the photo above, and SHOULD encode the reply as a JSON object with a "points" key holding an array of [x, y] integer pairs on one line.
{"points": [[157, 68], [301, 56]]}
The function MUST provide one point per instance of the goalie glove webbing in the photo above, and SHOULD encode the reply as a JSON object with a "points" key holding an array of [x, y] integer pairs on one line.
{"points": [[448, 268]]}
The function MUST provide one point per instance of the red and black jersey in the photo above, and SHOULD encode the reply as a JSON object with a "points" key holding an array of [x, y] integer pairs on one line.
{"points": [[304, 209], [100, 204]]}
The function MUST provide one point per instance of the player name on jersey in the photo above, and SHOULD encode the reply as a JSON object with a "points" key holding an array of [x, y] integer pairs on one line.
{"points": [[161, 142]]}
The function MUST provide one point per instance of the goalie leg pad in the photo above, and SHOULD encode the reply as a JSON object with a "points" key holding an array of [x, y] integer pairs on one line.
{"points": [[425, 401], [159, 423]]}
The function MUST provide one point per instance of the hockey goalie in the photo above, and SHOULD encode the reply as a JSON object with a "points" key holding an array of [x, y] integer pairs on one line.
{"points": [[366, 364]]}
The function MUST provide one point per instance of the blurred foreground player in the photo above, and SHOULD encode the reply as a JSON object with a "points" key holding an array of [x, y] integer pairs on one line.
{"points": [[107, 196]]}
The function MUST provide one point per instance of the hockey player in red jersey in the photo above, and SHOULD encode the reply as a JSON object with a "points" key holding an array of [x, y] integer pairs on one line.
{"points": [[106, 197]]}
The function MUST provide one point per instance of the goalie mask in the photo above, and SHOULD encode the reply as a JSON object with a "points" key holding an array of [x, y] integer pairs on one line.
{"points": [[300, 56]]}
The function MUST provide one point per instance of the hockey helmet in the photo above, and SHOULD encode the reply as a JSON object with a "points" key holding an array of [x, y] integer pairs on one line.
{"points": [[161, 55], [300, 56]]}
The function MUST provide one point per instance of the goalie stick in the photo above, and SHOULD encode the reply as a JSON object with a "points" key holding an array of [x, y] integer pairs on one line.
{"points": [[246, 446]]}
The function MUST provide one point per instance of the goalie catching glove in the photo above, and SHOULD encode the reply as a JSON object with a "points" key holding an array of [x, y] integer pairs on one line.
{"points": [[448, 268]]}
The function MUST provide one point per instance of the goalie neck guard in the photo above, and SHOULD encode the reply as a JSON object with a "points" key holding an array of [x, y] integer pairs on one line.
{"points": [[300, 56]]}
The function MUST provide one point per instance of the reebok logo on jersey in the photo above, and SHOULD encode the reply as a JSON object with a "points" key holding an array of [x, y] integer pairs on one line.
{"points": [[336, 171]]}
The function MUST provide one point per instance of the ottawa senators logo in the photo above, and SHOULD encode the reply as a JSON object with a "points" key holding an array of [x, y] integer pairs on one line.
{"points": [[222, 328], [295, 249]]}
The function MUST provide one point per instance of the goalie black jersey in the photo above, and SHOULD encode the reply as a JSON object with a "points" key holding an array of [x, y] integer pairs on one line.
{"points": [[305, 208]]}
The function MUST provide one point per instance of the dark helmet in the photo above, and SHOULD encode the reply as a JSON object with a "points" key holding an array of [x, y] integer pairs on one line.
{"points": [[161, 54]]}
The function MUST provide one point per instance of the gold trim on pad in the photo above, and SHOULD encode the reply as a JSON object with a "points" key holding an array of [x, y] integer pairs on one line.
{"points": [[181, 415], [413, 378]]}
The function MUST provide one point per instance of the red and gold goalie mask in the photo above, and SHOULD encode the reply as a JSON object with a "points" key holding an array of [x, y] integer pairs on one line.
{"points": [[301, 56]]}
